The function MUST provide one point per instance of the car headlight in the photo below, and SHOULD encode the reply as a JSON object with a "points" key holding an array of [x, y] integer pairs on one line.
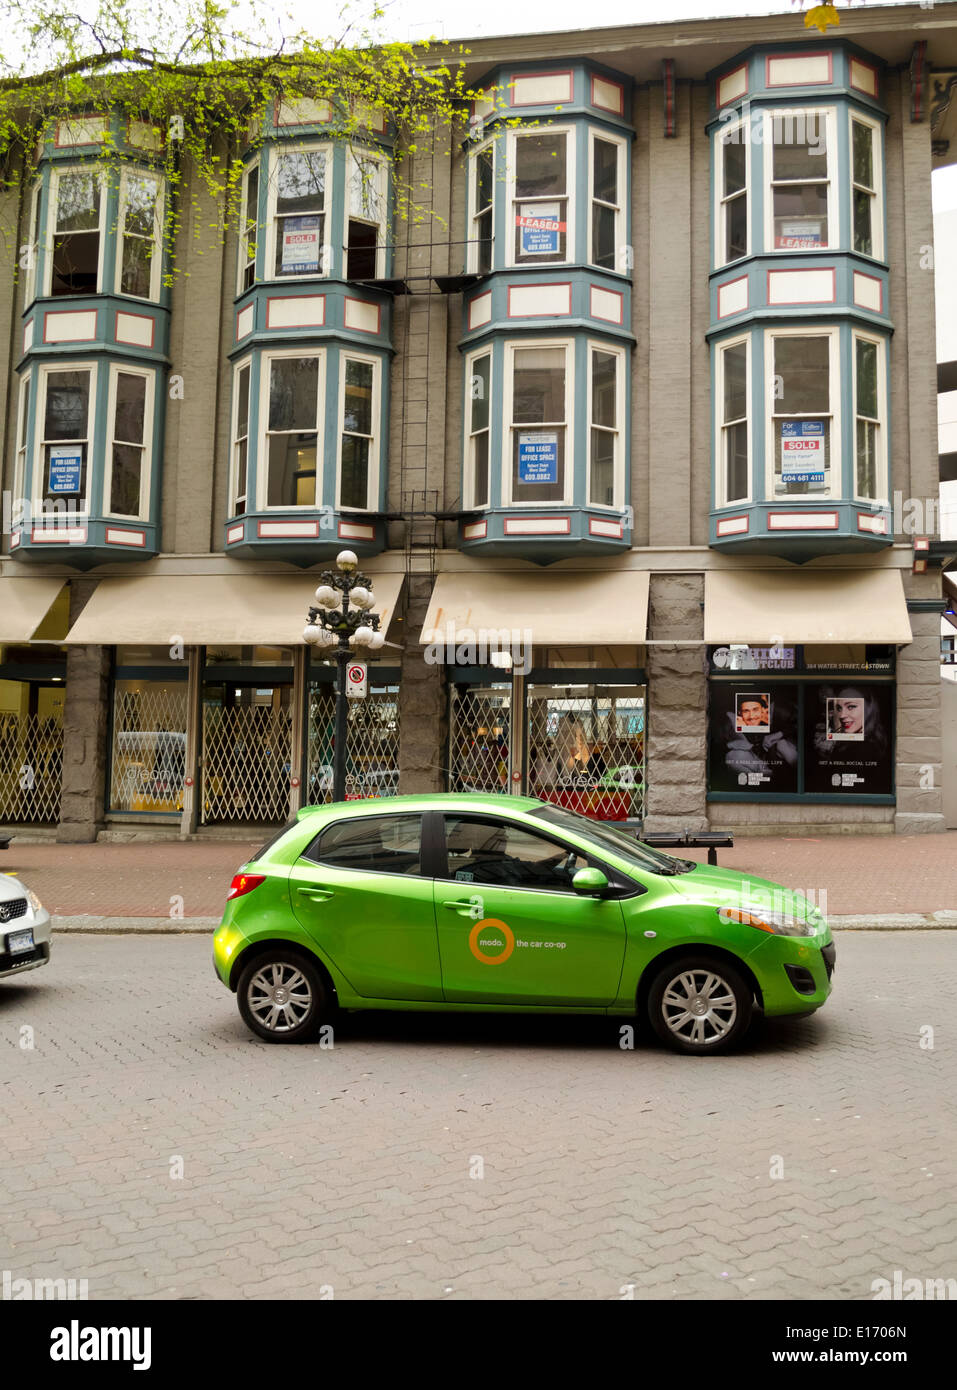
{"points": [[34, 901], [777, 923]]}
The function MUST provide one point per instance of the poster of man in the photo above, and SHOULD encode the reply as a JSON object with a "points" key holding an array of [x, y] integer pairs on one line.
{"points": [[753, 712], [753, 739]]}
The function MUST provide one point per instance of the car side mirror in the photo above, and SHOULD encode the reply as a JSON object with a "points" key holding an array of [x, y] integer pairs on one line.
{"points": [[590, 883]]}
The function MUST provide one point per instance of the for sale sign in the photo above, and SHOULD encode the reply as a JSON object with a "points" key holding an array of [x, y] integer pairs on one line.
{"points": [[802, 451]]}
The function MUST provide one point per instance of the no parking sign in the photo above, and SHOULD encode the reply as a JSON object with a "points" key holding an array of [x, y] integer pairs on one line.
{"points": [[357, 680]]}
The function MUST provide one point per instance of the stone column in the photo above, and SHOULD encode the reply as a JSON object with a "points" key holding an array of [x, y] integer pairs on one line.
{"points": [[423, 702], [84, 732], [675, 735], [920, 804]]}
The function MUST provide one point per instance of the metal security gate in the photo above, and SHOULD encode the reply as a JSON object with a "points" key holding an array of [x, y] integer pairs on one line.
{"points": [[31, 768], [148, 761], [372, 744], [246, 764], [480, 719], [586, 748]]}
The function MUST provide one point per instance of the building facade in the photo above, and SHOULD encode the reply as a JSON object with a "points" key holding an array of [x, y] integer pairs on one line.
{"points": [[627, 425]]}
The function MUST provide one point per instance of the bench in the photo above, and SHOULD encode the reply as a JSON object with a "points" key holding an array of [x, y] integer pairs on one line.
{"points": [[5, 841], [711, 840]]}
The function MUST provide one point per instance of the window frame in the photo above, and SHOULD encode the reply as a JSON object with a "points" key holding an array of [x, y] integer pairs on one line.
{"points": [[243, 261], [512, 346], [40, 441], [834, 220], [468, 461], [620, 884], [722, 199], [882, 472], [35, 231], [511, 166], [835, 487], [877, 192], [159, 210], [347, 355], [116, 369], [473, 212], [314, 844], [721, 425], [263, 431], [50, 233], [592, 346], [245, 364], [22, 449], [382, 181], [277, 149], [621, 144]]}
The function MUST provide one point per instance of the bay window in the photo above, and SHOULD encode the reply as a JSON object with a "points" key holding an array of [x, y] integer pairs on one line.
{"points": [[482, 199], [65, 415], [479, 380], [139, 232], [539, 404], [129, 446], [732, 224], [607, 198], [869, 473], [804, 398], [606, 408], [358, 433], [248, 228], [293, 393], [297, 195], [734, 452], [799, 151], [366, 216], [77, 217], [540, 179], [240, 452]]}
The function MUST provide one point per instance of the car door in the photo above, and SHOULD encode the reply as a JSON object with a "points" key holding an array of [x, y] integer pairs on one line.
{"points": [[359, 890], [511, 928]]}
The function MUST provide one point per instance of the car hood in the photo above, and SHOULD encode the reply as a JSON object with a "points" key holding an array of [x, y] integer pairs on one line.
{"points": [[11, 887], [731, 888]]}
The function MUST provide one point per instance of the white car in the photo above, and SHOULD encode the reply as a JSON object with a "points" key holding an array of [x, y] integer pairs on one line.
{"points": [[24, 928]]}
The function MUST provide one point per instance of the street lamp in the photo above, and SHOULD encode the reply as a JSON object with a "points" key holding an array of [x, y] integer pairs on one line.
{"points": [[348, 628]]}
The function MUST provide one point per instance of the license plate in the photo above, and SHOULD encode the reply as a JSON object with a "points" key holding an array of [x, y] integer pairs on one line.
{"points": [[19, 941]]}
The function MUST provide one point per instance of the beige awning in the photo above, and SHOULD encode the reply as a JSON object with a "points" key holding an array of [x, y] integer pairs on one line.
{"points": [[230, 610], [766, 607], [546, 609], [24, 603]]}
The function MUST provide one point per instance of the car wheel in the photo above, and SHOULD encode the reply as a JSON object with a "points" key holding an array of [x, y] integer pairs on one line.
{"points": [[283, 997], [699, 1005]]}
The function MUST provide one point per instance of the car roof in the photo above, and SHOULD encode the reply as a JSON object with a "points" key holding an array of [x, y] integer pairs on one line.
{"points": [[427, 801]]}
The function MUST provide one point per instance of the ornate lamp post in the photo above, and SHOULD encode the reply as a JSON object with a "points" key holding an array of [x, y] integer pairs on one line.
{"points": [[343, 621]]}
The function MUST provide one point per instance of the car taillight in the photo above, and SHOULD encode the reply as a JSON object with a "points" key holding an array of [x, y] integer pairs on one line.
{"points": [[244, 883]]}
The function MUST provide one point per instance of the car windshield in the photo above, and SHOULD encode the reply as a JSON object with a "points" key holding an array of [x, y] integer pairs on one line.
{"points": [[639, 855]]}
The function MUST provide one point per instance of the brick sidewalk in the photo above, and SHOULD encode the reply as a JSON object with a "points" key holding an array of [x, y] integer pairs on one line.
{"points": [[860, 874]]}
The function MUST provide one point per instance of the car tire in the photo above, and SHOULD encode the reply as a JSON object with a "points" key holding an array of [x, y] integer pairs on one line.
{"points": [[682, 1005], [283, 997]]}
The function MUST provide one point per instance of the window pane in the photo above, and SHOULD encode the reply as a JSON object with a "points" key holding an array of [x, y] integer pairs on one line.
{"points": [[602, 485], [603, 236], [480, 469], [735, 164], [483, 231], [801, 366], [136, 274], [483, 179], [125, 479], [539, 385], [800, 215], [300, 182], [866, 459], [606, 171], [357, 412], [24, 412], [604, 382], [863, 240], [479, 391], [540, 165], [365, 198], [736, 227], [78, 202], [140, 205], [735, 360], [377, 844], [736, 461], [863, 137], [362, 248], [800, 145], [496, 853], [242, 459], [242, 405], [866, 378], [355, 471], [130, 408], [292, 470], [68, 397], [293, 390], [75, 263]]}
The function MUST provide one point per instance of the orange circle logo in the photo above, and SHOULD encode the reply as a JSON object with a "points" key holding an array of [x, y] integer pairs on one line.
{"points": [[491, 924]]}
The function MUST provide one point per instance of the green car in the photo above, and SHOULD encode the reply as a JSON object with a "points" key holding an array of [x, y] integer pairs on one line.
{"points": [[505, 903]]}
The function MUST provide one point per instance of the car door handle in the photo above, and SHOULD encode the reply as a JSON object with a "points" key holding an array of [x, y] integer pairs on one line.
{"points": [[318, 895], [460, 904]]}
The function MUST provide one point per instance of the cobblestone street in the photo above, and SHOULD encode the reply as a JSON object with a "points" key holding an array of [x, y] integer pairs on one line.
{"points": [[443, 1156]]}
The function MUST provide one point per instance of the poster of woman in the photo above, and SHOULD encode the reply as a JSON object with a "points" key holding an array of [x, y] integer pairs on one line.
{"points": [[848, 739]]}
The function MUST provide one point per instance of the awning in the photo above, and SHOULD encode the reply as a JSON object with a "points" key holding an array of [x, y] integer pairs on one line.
{"points": [[24, 603], [231, 610], [572, 607], [766, 607]]}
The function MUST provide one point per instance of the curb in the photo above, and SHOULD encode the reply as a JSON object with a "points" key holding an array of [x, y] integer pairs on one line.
{"points": [[91, 925]]}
